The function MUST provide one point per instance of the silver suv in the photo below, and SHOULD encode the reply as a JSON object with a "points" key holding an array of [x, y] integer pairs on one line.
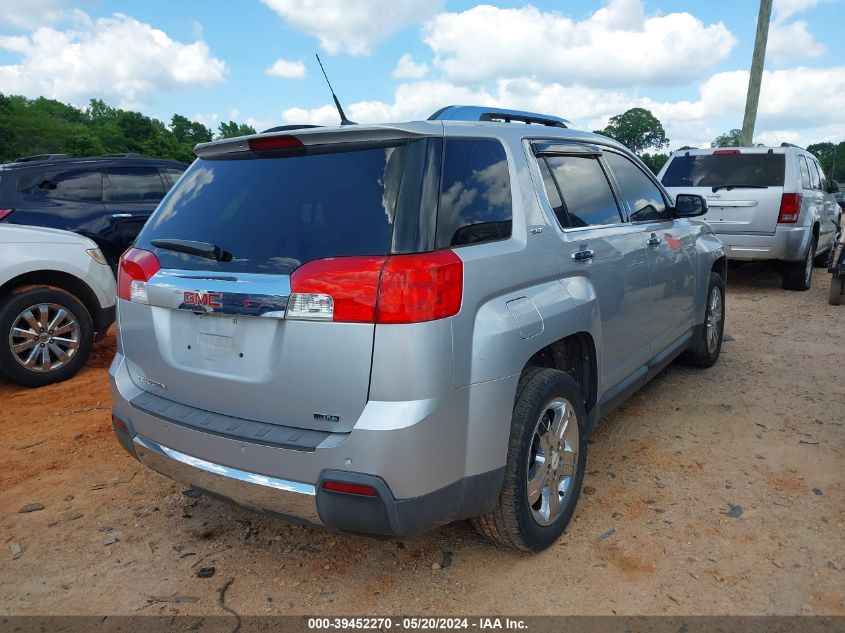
{"points": [[765, 203], [386, 328]]}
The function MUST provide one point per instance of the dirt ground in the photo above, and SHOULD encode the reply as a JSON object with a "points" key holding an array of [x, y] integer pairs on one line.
{"points": [[709, 492]]}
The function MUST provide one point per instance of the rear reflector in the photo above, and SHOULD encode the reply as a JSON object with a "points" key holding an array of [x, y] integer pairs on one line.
{"points": [[120, 424], [790, 208], [394, 289], [722, 152], [269, 143], [350, 489], [4, 213], [135, 269]]}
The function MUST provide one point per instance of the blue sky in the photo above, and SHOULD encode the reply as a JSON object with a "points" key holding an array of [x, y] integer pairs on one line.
{"points": [[584, 60]]}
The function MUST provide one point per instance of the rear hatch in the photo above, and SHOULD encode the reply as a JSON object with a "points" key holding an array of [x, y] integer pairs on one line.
{"points": [[209, 328], [743, 187]]}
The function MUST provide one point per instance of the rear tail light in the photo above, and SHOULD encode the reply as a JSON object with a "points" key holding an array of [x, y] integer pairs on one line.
{"points": [[270, 143], [790, 208], [136, 268], [394, 289], [345, 487], [4, 213]]}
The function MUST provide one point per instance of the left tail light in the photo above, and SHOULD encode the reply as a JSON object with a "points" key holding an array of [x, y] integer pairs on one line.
{"points": [[790, 208], [136, 268]]}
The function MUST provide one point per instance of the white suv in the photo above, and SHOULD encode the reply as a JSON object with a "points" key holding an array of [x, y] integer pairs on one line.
{"points": [[57, 295], [764, 203]]}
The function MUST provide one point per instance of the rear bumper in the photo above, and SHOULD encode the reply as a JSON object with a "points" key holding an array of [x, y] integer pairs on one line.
{"points": [[420, 482], [787, 244]]}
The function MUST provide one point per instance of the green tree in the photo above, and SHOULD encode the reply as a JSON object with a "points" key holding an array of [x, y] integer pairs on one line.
{"points": [[232, 129], [655, 162], [638, 129], [832, 159], [728, 139]]}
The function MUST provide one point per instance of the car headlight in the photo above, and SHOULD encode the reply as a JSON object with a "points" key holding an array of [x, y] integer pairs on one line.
{"points": [[97, 255]]}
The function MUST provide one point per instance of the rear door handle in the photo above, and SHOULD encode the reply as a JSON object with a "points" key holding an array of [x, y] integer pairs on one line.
{"points": [[583, 255], [654, 240]]}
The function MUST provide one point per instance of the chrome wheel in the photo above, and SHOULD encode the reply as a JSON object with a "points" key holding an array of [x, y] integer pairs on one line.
{"points": [[44, 337], [552, 461], [714, 319]]}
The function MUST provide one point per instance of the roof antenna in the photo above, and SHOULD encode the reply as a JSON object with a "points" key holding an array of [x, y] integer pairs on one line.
{"points": [[343, 119]]}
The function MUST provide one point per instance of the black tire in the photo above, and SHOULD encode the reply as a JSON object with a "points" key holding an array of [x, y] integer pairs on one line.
{"points": [[835, 297], [820, 260], [799, 275], [512, 523], [14, 305], [704, 352]]}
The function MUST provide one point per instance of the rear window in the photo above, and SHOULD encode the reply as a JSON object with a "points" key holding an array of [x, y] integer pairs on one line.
{"points": [[716, 170], [275, 213]]}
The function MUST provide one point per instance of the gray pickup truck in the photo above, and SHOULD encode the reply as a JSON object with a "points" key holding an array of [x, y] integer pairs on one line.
{"points": [[385, 328]]}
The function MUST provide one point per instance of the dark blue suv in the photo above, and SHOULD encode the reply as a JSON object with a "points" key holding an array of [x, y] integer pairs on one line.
{"points": [[106, 198]]}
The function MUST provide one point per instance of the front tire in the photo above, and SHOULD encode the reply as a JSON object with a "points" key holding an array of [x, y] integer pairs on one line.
{"points": [[705, 351], [46, 335], [547, 455]]}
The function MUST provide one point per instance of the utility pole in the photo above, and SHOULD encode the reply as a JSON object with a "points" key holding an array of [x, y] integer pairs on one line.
{"points": [[756, 76]]}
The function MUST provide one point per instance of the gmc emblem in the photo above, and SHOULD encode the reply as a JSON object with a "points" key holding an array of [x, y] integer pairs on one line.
{"points": [[208, 299]]}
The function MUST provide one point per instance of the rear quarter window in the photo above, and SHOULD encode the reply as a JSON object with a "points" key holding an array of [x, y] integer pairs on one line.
{"points": [[475, 193]]}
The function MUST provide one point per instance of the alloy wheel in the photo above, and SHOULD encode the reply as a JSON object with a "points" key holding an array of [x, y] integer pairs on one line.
{"points": [[44, 337]]}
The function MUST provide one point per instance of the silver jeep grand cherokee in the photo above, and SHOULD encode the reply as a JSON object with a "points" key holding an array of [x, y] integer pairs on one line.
{"points": [[386, 328]]}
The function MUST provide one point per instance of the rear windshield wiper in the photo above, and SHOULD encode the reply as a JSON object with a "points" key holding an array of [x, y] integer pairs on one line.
{"points": [[200, 249], [738, 186]]}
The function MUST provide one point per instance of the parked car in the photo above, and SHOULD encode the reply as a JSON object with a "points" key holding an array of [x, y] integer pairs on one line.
{"points": [[104, 198], [57, 295], [765, 203], [386, 328]]}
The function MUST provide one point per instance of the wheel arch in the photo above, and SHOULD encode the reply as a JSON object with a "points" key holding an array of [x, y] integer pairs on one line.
{"points": [[61, 280]]}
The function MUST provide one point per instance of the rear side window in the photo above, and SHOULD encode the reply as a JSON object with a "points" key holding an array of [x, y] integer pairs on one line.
{"points": [[274, 213], [718, 170], [172, 174], [815, 179], [805, 173], [75, 185], [822, 177], [643, 197], [475, 193], [133, 184], [581, 185]]}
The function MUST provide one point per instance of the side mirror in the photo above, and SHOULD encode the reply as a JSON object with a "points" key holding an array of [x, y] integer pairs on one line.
{"points": [[690, 205], [833, 187]]}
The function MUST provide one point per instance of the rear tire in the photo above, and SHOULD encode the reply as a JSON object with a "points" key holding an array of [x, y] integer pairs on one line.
{"points": [[23, 344], [835, 297], [799, 275], [705, 351], [547, 455]]}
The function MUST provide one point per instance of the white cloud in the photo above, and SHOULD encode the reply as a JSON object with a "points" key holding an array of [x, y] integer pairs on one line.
{"points": [[407, 68], [116, 57], [287, 69], [31, 13], [784, 9], [791, 42], [353, 26], [209, 120], [615, 46]]}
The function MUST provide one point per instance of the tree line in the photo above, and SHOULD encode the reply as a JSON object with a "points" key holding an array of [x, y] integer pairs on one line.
{"points": [[46, 126]]}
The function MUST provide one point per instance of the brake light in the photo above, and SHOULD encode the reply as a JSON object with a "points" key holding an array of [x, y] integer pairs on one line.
{"points": [[790, 208], [135, 269], [350, 489], [393, 289], [723, 152], [268, 143], [4, 213]]}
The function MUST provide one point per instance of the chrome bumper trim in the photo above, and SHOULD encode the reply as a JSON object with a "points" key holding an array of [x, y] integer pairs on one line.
{"points": [[259, 492]]}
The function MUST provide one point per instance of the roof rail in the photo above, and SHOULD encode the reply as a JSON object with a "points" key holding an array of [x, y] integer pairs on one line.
{"points": [[29, 159], [785, 144], [481, 113], [121, 155]]}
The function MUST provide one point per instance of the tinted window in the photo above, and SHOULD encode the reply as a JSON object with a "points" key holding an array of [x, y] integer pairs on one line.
{"points": [[815, 179], [77, 185], [587, 197], [716, 170], [553, 194], [805, 173], [643, 197], [275, 213], [475, 193], [134, 184], [173, 174], [822, 177]]}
